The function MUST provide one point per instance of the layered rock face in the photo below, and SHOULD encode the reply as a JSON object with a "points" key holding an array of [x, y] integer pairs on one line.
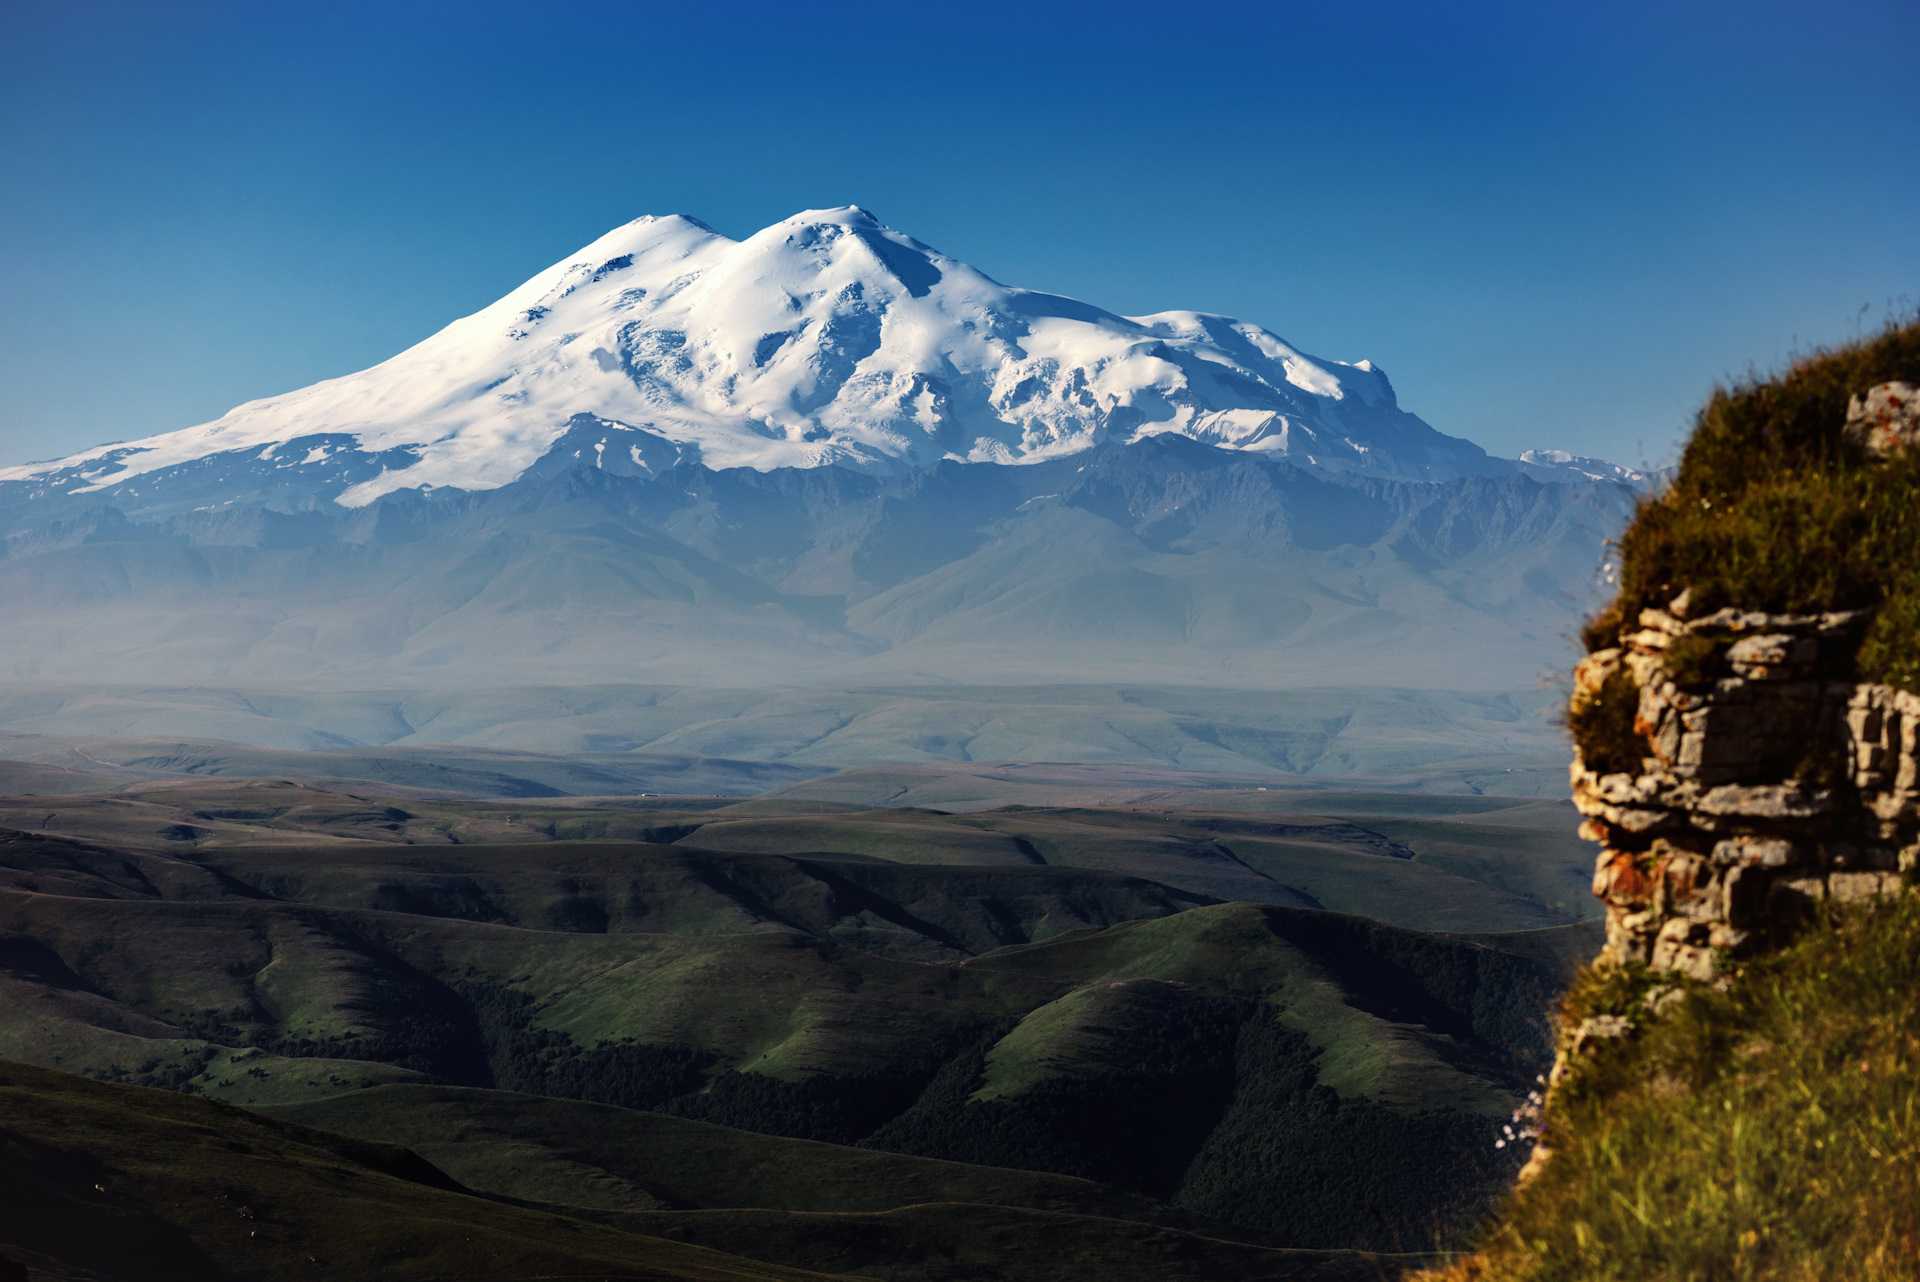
{"points": [[1759, 778], [1770, 783]]}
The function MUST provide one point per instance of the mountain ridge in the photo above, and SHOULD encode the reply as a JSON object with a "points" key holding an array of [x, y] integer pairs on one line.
{"points": [[1165, 562]]}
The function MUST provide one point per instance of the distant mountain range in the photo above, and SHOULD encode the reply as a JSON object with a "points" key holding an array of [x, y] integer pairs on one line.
{"points": [[826, 453]]}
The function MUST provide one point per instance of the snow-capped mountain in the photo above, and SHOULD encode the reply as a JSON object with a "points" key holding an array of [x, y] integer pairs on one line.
{"points": [[826, 338], [1559, 465], [825, 454]]}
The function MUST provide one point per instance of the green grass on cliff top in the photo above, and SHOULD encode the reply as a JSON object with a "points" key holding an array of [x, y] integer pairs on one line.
{"points": [[1770, 1132], [1773, 508]]}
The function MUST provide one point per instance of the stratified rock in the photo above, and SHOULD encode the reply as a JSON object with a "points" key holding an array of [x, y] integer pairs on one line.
{"points": [[1782, 785]]}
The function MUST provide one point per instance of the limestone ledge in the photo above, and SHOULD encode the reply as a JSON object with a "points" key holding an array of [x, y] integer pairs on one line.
{"points": [[1769, 783]]}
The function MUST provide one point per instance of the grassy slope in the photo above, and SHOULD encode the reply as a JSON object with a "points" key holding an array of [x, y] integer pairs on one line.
{"points": [[1319, 974], [117, 1182], [109, 1183], [1531, 852], [651, 1161], [950, 1242], [1769, 1132], [770, 1001], [810, 1205]]}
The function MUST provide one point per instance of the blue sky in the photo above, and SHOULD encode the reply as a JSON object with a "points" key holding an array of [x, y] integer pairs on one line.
{"points": [[1552, 224]]}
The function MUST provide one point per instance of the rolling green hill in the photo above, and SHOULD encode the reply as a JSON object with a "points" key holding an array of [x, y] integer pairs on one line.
{"points": [[107, 1181], [1427, 862], [104, 1181], [1133, 1022], [317, 975], [542, 1149]]}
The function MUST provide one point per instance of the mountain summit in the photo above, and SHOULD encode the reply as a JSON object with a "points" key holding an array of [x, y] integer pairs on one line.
{"points": [[827, 338]]}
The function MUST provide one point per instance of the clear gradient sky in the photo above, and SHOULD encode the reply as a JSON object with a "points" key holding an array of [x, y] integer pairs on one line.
{"points": [[1553, 224]]}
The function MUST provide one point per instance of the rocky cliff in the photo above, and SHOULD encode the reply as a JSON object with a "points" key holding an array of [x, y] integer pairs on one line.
{"points": [[1770, 782], [1736, 1094], [1733, 768]]}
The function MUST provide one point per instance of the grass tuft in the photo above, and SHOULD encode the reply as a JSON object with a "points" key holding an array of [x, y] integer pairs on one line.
{"points": [[1837, 539], [1603, 629], [1610, 990], [1890, 651]]}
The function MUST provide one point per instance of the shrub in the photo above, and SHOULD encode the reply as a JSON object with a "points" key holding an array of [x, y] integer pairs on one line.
{"points": [[1603, 727], [1609, 990], [1693, 659], [1890, 651], [1805, 541]]}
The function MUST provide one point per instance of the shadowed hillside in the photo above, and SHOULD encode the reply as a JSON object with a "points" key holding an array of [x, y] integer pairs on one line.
{"points": [[116, 1182], [113, 1181]]}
